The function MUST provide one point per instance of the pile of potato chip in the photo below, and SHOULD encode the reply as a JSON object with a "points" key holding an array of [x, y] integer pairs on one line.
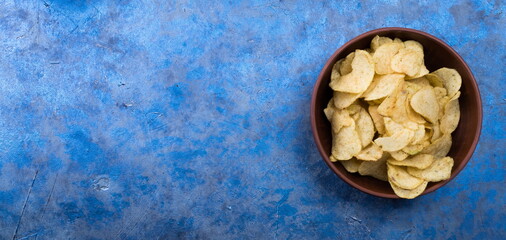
{"points": [[392, 119]]}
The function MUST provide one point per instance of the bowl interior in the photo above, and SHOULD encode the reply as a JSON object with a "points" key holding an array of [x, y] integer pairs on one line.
{"points": [[437, 55]]}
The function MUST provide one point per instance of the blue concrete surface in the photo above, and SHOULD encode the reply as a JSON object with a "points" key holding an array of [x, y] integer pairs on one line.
{"points": [[131, 119]]}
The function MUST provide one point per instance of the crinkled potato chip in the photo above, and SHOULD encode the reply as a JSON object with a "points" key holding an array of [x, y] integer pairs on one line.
{"points": [[391, 126], [351, 165], [451, 117], [419, 161], [386, 107], [419, 134], [370, 153], [340, 119], [375, 169], [451, 79], [425, 103], [335, 74], [358, 80], [413, 149], [440, 169], [378, 41], [377, 119], [382, 57], [407, 61], [344, 100], [365, 127], [409, 194], [413, 45], [395, 142], [384, 85], [435, 132], [440, 147], [346, 143], [399, 155], [345, 67], [434, 80], [329, 110], [401, 178]]}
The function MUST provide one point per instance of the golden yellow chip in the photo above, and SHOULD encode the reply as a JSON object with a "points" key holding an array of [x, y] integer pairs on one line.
{"points": [[399, 155], [413, 45], [413, 149], [340, 119], [425, 103], [451, 79], [419, 134], [329, 110], [435, 133], [370, 153], [344, 100], [345, 67], [440, 147], [401, 178], [351, 165], [419, 161], [395, 142], [358, 80], [434, 80], [377, 119], [386, 107], [440, 169], [365, 127], [375, 169], [384, 85], [407, 61], [346, 143], [391, 126], [383, 55], [409, 194], [378, 41], [451, 117]]}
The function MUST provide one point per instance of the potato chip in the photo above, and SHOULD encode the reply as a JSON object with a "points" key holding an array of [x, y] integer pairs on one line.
{"points": [[451, 116], [391, 126], [384, 85], [409, 194], [344, 100], [398, 40], [351, 165], [399, 112], [412, 115], [346, 143], [395, 142], [399, 155], [358, 80], [386, 107], [383, 55], [378, 41], [420, 82], [340, 119], [345, 67], [376, 169], [370, 153], [419, 161], [365, 127], [425, 103], [329, 110], [413, 45], [434, 80], [451, 79], [440, 147], [419, 134], [377, 119], [407, 61], [436, 132], [401, 178], [440, 169], [413, 149], [335, 74]]}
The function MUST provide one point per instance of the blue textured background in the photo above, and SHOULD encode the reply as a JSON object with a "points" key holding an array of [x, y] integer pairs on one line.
{"points": [[190, 119]]}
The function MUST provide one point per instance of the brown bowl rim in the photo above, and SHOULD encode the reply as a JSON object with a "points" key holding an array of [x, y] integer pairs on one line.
{"points": [[473, 85]]}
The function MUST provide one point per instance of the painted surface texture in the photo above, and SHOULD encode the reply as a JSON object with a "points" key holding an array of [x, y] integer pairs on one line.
{"points": [[189, 120]]}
